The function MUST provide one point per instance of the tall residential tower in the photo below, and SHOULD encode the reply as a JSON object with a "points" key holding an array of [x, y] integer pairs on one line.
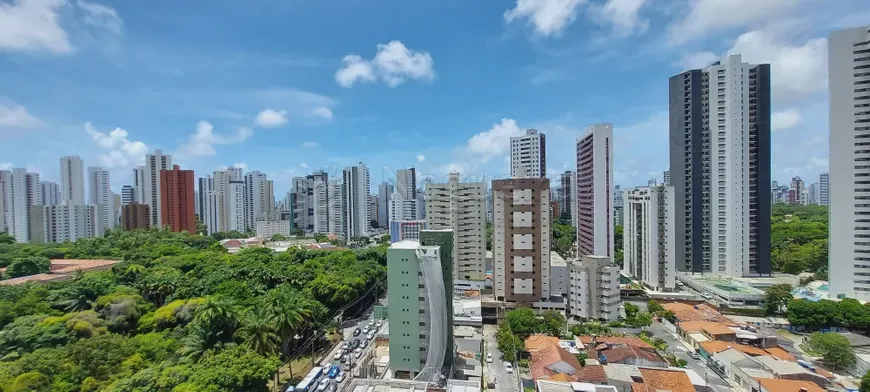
{"points": [[529, 152], [594, 198]]}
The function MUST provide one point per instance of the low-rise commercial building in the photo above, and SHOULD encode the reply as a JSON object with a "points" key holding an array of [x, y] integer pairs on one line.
{"points": [[267, 229], [593, 292]]}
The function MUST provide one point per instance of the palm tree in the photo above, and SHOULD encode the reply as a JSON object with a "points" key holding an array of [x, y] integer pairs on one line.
{"points": [[196, 343], [258, 332], [288, 312], [77, 303], [218, 316]]}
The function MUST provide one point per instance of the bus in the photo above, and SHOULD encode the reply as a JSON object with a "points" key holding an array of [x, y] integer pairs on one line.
{"points": [[310, 380]]}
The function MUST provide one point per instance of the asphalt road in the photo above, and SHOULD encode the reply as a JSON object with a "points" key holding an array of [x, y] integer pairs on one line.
{"points": [[682, 352], [329, 360], [504, 382]]}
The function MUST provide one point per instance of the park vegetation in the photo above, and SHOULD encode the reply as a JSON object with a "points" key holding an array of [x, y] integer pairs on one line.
{"points": [[799, 239], [178, 313], [835, 350]]}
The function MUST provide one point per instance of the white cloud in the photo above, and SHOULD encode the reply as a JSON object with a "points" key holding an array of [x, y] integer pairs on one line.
{"points": [[120, 151], [549, 17], [697, 60], [706, 16], [303, 165], [322, 112], [202, 142], [421, 158], [16, 116], [270, 118], [241, 165], [785, 119], [495, 141], [310, 144], [36, 25], [101, 16], [5, 165], [393, 64], [623, 15]]}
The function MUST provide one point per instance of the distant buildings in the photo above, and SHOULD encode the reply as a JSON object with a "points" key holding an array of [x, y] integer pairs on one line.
{"points": [[824, 189], [796, 191], [128, 195], [594, 201], [266, 229], [720, 167], [567, 194], [406, 230], [529, 154], [355, 196], [849, 188], [72, 180], [154, 164], [177, 200], [100, 195], [23, 191], [593, 292], [65, 222], [459, 206], [135, 216], [50, 193], [385, 191], [648, 236]]}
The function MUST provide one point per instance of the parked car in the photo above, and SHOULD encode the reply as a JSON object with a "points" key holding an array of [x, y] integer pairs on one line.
{"points": [[337, 355], [364, 343], [343, 358], [379, 323], [333, 371], [356, 332], [345, 345], [290, 388], [356, 344], [346, 366], [324, 382], [370, 336], [331, 388], [508, 367], [358, 352], [694, 355], [340, 377], [488, 357]]}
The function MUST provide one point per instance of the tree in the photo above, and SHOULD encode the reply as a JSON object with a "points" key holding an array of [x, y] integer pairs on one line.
{"points": [[776, 297], [631, 310], [5, 238], [654, 307], [27, 266], [374, 224], [488, 235], [834, 348], [554, 323], [865, 383], [523, 322], [508, 343], [278, 237], [258, 333]]}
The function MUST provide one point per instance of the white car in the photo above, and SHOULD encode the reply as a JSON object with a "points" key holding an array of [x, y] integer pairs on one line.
{"points": [[337, 356], [340, 377], [488, 357], [508, 367], [379, 323], [358, 352], [364, 343], [370, 336], [323, 384], [345, 345]]}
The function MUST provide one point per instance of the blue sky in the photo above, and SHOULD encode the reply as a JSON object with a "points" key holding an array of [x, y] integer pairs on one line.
{"points": [[288, 86]]}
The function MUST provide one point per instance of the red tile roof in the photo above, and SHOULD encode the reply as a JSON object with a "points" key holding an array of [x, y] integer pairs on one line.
{"points": [[710, 327], [783, 385], [781, 354], [655, 380], [548, 355], [717, 346], [620, 354], [536, 342], [592, 374]]}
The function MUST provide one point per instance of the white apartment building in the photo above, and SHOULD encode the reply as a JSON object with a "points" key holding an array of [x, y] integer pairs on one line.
{"points": [[306, 214], [139, 184], [100, 194], [224, 199], [594, 198], [59, 223], [154, 163], [50, 193], [593, 292], [529, 153], [24, 193], [320, 205], [5, 202], [72, 180], [849, 124], [720, 167], [357, 219], [257, 198], [385, 191], [521, 240], [648, 237], [336, 208], [235, 199], [406, 183], [266, 229], [824, 189], [459, 206]]}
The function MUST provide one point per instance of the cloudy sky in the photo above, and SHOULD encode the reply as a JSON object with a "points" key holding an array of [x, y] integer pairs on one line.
{"points": [[288, 86]]}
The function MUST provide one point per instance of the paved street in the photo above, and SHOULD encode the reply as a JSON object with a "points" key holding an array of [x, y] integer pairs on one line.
{"points": [[682, 352], [504, 382]]}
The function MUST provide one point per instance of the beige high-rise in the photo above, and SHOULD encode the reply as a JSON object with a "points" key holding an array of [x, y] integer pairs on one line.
{"points": [[460, 206]]}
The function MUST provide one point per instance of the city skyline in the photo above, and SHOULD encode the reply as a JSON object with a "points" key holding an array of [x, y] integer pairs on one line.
{"points": [[178, 98]]}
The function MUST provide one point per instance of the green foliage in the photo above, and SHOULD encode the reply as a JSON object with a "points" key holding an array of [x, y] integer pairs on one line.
{"points": [[5, 238], [26, 266], [834, 348], [178, 313], [563, 239], [631, 310], [523, 322], [776, 297], [488, 235], [865, 383], [508, 343], [847, 313], [617, 245], [590, 328], [278, 237], [654, 307], [799, 238], [553, 323]]}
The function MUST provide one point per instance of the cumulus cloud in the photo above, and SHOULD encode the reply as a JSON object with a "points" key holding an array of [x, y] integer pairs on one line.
{"points": [[271, 118], [322, 112], [548, 18], [494, 141], [697, 60], [624, 15], [36, 25], [785, 119], [119, 150], [16, 116], [421, 158], [393, 64], [100, 16], [706, 16], [202, 142]]}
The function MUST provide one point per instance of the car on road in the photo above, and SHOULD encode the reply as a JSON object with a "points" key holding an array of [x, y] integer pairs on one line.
{"points": [[694, 355], [340, 377], [337, 355], [356, 332], [345, 345], [488, 357], [343, 358], [379, 323], [357, 352], [364, 343], [333, 371], [508, 367], [355, 344], [370, 336], [324, 382]]}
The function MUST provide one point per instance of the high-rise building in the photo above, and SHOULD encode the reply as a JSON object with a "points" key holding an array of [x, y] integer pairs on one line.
{"points": [[648, 237], [139, 184], [50, 193], [385, 191], [849, 188], [336, 208], [419, 301], [320, 204], [135, 216], [100, 195], [443, 239], [154, 164], [593, 290], [594, 201], [5, 202], [257, 198], [796, 192], [720, 167], [566, 186], [403, 203], [824, 189], [406, 183], [666, 177], [177, 200], [220, 206], [72, 180], [812, 194], [521, 240], [529, 155], [128, 195], [459, 206], [617, 206], [406, 230], [235, 206], [306, 214], [24, 193], [66, 222], [357, 219]]}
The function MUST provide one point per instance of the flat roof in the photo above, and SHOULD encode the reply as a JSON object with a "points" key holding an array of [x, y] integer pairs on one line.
{"points": [[405, 244], [556, 260]]}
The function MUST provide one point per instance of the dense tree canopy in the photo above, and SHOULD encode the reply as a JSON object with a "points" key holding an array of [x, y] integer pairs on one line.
{"points": [[776, 297], [834, 348], [563, 239], [799, 238], [177, 314], [825, 313]]}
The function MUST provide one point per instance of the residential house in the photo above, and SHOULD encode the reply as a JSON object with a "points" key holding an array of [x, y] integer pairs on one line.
{"points": [[655, 380], [777, 385], [549, 360], [697, 332], [701, 312]]}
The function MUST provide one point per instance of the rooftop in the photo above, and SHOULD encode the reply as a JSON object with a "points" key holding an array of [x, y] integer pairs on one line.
{"points": [[556, 260], [781, 367], [62, 269], [556, 386], [686, 312], [782, 385], [655, 380], [710, 327], [405, 244], [717, 346], [614, 340]]}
